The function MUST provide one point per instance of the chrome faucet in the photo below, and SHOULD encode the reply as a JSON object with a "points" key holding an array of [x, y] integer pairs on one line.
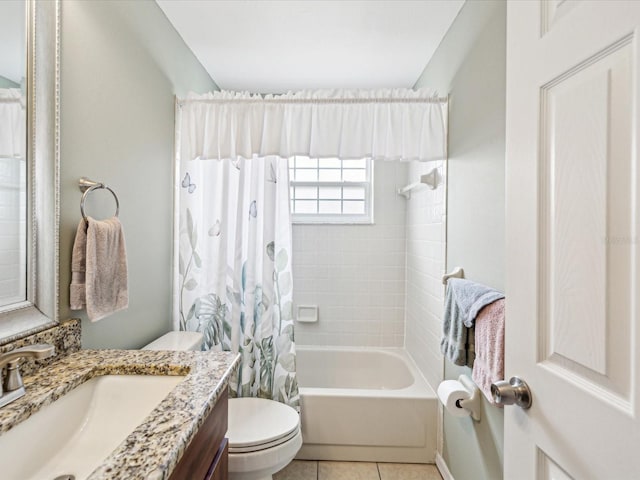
{"points": [[12, 387]]}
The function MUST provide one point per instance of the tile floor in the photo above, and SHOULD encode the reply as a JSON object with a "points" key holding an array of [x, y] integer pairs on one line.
{"points": [[311, 470]]}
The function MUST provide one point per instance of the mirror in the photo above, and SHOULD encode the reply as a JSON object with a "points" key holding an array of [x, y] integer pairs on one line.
{"points": [[29, 166], [13, 149]]}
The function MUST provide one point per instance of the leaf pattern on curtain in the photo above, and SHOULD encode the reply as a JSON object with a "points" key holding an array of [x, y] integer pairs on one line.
{"points": [[235, 282]]}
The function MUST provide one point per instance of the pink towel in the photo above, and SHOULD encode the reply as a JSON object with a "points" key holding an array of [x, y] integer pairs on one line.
{"points": [[78, 294], [99, 280], [489, 331]]}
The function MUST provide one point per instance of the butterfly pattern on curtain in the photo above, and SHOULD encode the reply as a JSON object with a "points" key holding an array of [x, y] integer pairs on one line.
{"points": [[235, 282], [186, 183]]}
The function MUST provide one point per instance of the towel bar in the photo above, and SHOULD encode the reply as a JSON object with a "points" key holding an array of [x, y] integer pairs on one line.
{"points": [[87, 186], [431, 179], [457, 272]]}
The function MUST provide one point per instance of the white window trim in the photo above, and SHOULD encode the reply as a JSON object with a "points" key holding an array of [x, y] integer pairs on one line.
{"points": [[336, 218]]}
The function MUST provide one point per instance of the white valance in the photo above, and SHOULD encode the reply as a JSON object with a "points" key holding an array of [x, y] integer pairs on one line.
{"points": [[392, 124]]}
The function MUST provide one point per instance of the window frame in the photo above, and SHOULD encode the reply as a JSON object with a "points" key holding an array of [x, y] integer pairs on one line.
{"points": [[365, 218]]}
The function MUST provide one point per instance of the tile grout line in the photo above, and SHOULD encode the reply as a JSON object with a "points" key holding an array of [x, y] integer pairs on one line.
{"points": [[378, 468]]}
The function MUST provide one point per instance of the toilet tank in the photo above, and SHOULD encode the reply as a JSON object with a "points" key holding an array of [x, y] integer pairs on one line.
{"points": [[179, 341]]}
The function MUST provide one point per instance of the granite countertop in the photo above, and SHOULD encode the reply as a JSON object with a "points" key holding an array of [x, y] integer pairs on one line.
{"points": [[153, 449]]}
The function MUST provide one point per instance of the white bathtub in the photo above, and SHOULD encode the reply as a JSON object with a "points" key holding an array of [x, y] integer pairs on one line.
{"points": [[364, 405]]}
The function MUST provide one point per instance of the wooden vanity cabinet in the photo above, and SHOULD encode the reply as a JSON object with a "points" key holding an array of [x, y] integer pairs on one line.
{"points": [[207, 456]]}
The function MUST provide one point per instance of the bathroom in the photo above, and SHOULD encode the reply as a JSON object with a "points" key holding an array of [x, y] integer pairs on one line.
{"points": [[123, 64]]}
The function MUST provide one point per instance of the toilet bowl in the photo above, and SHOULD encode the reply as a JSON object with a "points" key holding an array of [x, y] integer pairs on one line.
{"points": [[264, 435]]}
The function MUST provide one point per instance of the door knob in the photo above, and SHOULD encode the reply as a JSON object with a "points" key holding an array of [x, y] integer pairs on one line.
{"points": [[513, 391]]}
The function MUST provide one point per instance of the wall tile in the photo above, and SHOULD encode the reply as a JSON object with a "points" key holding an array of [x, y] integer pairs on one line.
{"points": [[426, 234], [355, 273], [379, 285]]}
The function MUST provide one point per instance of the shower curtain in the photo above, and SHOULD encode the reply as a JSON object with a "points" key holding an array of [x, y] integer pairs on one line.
{"points": [[235, 283], [234, 237]]}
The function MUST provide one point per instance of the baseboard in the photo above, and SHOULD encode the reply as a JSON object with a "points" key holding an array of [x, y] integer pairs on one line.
{"points": [[353, 453], [443, 468]]}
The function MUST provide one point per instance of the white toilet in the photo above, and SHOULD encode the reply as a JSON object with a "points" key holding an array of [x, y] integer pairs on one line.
{"points": [[264, 435], [179, 341]]}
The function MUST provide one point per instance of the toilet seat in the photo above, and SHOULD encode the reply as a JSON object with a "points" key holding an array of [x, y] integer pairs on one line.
{"points": [[257, 424], [263, 446]]}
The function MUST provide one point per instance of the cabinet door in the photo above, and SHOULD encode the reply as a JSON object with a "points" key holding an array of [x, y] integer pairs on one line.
{"points": [[219, 469], [207, 447]]}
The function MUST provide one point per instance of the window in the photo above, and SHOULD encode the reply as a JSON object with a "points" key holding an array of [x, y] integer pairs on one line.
{"points": [[330, 190]]}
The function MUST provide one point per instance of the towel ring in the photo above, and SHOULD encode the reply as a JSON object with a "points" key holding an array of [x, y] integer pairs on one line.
{"points": [[88, 186]]}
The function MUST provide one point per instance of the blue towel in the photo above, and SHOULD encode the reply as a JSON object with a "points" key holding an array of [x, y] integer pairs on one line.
{"points": [[463, 302], [455, 340], [471, 297]]}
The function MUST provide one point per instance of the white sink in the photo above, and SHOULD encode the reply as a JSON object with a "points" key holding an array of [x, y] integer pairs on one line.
{"points": [[74, 434]]}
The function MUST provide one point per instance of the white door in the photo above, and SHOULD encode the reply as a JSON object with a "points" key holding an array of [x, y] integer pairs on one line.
{"points": [[573, 263]]}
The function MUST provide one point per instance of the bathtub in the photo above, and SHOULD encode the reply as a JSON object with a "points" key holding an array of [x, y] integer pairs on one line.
{"points": [[364, 404]]}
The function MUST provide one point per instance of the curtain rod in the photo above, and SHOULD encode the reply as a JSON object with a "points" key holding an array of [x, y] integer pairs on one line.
{"points": [[10, 100], [315, 101]]}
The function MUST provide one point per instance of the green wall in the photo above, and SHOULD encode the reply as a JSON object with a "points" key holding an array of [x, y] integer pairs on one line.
{"points": [[122, 63], [470, 65]]}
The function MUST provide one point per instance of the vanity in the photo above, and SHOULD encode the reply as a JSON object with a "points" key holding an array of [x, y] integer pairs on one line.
{"points": [[207, 456], [182, 438]]}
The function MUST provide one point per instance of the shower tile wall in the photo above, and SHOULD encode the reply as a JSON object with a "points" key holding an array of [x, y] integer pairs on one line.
{"points": [[426, 240], [355, 273], [12, 230]]}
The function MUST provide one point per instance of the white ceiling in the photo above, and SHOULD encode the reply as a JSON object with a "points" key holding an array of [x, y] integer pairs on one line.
{"points": [[281, 45]]}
